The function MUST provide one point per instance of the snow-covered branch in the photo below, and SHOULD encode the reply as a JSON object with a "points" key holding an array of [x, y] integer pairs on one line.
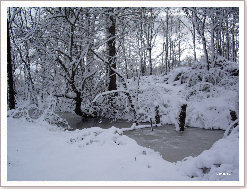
{"points": [[108, 93]]}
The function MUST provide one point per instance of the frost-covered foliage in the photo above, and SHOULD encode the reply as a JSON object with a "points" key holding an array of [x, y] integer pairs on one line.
{"points": [[64, 105], [114, 105], [211, 95], [153, 92]]}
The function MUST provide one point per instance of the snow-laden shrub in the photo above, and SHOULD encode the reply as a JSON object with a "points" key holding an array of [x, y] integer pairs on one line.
{"points": [[222, 73], [152, 93], [113, 105], [65, 105], [148, 99], [26, 111], [210, 94], [229, 66], [175, 76], [39, 112], [208, 116], [212, 109]]}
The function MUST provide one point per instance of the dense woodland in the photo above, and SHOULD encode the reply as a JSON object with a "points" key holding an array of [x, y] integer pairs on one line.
{"points": [[74, 55]]}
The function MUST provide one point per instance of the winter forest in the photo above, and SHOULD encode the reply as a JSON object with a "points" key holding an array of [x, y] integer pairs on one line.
{"points": [[123, 94]]}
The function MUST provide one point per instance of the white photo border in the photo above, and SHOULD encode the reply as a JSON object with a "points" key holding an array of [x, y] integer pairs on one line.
{"points": [[5, 4]]}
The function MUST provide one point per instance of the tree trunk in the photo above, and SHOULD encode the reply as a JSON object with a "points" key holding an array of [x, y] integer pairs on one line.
{"points": [[112, 51], [162, 58], [227, 42], [11, 91], [149, 40], [200, 27], [233, 117], [194, 42], [150, 60], [220, 44], [194, 36], [182, 117], [143, 54], [90, 33], [157, 115], [233, 48], [171, 43], [205, 50], [166, 59], [179, 43], [71, 41], [78, 102], [125, 59], [212, 44]]}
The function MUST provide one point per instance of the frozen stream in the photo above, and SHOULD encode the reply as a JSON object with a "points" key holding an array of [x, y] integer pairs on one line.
{"points": [[172, 145]]}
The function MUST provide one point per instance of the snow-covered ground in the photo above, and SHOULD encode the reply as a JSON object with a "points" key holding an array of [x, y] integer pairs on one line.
{"points": [[38, 151]]}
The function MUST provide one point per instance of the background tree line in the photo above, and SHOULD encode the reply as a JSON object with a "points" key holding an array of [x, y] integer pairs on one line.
{"points": [[74, 54]]}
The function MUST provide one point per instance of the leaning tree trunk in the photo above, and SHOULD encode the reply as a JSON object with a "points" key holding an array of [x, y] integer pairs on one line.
{"points": [[11, 91]]}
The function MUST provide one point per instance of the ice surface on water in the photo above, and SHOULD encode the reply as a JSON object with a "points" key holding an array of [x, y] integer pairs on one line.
{"points": [[173, 145]]}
